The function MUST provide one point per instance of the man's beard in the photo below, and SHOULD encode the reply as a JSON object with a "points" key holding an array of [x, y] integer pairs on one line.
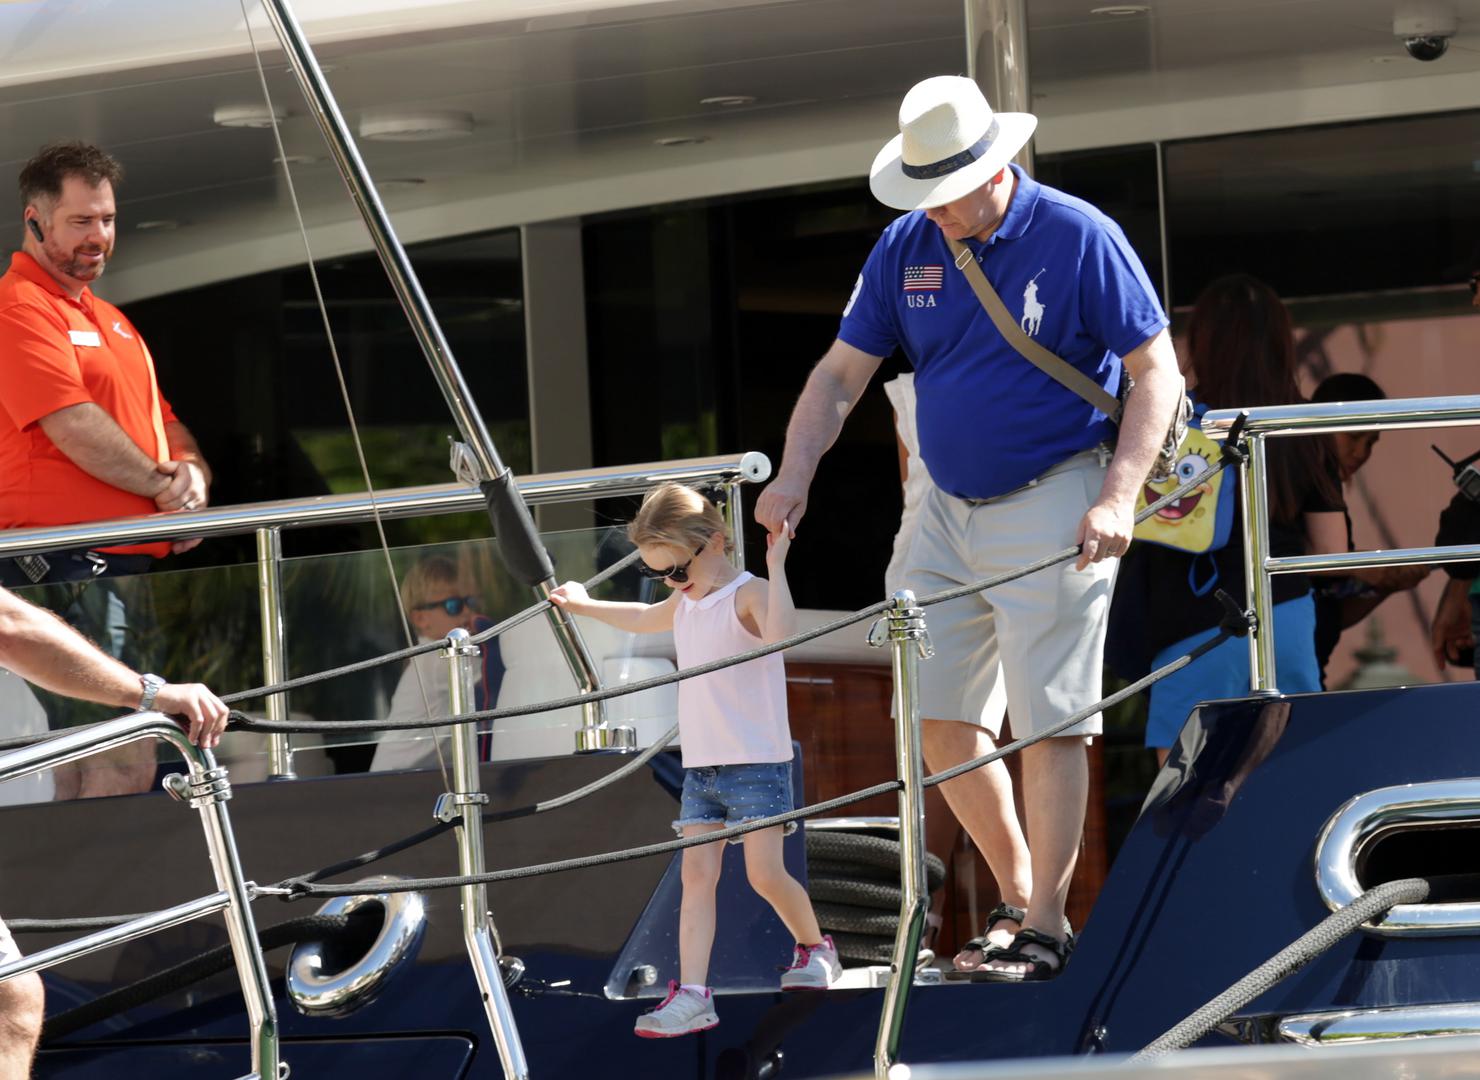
{"points": [[74, 266]]}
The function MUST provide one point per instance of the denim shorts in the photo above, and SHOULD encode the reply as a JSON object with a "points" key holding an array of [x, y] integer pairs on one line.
{"points": [[731, 794]]}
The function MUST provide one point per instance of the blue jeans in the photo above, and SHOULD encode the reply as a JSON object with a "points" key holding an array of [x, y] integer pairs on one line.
{"points": [[732, 794], [1224, 672]]}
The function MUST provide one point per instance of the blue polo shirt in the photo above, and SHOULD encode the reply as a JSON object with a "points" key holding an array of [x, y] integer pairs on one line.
{"points": [[989, 421]]}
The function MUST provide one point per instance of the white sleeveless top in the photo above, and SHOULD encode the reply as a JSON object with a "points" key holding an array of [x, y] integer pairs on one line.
{"points": [[736, 716]]}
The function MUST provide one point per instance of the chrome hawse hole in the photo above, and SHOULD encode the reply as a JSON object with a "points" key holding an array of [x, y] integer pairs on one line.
{"points": [[1412, 830], [325, 980]]}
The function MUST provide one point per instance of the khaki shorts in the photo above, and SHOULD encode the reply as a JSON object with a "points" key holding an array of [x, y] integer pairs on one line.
{"points": [[8, 949], [1031, 648]]}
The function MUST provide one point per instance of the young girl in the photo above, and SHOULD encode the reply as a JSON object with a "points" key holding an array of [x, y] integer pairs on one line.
{"points": [[732, 725]]}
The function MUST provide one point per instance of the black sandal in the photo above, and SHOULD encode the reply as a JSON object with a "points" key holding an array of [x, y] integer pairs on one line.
{"points": [[1000, 913], [1039, 970]]}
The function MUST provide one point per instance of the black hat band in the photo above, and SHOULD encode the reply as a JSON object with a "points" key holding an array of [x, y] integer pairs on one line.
{"points": [[946, 166]]}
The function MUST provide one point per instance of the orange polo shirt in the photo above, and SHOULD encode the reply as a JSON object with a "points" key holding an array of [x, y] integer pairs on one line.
{"points": [[56, 352]]}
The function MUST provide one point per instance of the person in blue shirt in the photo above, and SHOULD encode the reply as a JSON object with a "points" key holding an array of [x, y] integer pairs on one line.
{"points": [[1022, 467]]}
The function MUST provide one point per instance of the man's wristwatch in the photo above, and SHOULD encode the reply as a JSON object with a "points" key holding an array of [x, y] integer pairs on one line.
{"points": [[152, 685]]}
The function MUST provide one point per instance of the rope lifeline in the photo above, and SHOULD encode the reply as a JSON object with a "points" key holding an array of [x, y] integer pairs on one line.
{"points": [[1370, 905], [375, 855], [252, 723], [363, 923], [300, 888], [1231, 455]]}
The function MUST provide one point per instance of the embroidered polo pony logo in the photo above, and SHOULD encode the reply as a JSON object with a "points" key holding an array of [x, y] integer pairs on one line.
{"points": [[1032, 310]]}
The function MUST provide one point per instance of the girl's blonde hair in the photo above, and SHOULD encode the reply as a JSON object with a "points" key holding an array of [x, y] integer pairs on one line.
{"points": [[678, 516]]}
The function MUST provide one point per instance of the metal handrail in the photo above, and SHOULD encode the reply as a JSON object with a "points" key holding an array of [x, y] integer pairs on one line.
{"points": [[207, 790], [726, 471], [427, 501], [1323, 418]]}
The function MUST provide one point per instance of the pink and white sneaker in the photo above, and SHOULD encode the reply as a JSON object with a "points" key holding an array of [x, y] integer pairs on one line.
{"points": [[682, 1012], [813, 967]]}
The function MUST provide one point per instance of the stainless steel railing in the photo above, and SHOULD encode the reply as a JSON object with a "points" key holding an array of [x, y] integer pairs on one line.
{"points": [[268, 520], [429, 501], [1276, 421], [903, 630], [206, 789]]}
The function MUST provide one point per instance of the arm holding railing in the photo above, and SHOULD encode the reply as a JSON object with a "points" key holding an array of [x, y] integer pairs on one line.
{"points": [[41, 648]]}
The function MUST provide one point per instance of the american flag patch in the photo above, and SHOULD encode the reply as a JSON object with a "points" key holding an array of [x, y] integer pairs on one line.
{"points": [[923, 278]]}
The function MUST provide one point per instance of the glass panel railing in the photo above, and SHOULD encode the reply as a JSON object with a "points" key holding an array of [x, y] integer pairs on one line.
{"points": [[341, 608], [203, 625], [187, 625]]}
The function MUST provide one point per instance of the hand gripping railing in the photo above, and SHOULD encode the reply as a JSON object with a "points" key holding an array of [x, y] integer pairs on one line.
{"points": [[206, 788], [1320, 419]]}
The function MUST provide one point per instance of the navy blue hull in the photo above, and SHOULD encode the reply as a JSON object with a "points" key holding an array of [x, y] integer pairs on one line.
{"points": [[1215, 877]]}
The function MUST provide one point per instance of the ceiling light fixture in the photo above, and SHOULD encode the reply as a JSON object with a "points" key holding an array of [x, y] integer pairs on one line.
{"points": [[1118, 11], [681, 140], [297, 159], [159, 225], [728, 101], [415, 125], [248, 116], [398, 182]]}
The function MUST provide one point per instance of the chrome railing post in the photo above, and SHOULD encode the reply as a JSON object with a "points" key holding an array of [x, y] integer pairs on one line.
{"points": [[206, 789], [465, 805], [909, 641], [733, 509], [274, 647], [1254, 475]]}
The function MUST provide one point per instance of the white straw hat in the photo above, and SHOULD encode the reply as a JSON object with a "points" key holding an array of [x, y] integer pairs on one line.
{"points": [[949, 143]]}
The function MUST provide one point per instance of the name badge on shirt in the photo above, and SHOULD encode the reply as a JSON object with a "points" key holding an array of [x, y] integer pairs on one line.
{"points": [[89, 338]]}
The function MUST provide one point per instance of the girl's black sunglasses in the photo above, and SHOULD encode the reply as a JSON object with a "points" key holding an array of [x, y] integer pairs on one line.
{"points": [[679, 574], [453, 605]]}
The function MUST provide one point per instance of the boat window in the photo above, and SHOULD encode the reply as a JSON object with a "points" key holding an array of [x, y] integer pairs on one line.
{"points": [[1319, 211], [266, 404]]}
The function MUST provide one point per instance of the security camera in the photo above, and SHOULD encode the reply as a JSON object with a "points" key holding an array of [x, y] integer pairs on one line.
{"points": [[1424, 27], [1426, 46]]}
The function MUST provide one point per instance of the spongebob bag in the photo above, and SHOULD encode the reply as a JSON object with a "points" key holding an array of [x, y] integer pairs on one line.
{"points": [[1200, 521]]}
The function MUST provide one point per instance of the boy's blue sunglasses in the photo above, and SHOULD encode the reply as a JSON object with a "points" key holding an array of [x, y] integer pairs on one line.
{"points": [[453, 605]]}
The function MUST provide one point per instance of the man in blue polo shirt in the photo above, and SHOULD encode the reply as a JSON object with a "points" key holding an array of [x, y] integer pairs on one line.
{"points": [[1022, 468]]}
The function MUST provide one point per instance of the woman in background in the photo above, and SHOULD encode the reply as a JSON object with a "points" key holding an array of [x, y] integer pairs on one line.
{"points": [[1241, 352]]}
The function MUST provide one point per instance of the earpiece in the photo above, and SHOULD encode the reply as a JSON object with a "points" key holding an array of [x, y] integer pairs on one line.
{"points": [[35, 230]]}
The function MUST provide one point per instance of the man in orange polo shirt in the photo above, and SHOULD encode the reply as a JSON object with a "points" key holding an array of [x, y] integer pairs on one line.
{"points": [[85, 433]]}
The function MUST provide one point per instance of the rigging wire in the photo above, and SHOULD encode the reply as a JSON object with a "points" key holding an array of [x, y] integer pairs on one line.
{"points": [[349, 411]]}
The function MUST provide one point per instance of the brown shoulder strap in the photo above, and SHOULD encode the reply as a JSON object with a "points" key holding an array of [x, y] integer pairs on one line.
{"points": [[1055, 367]]}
